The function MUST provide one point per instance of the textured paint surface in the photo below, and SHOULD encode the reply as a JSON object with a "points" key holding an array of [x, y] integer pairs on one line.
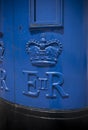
{"points": [[39, 84]]}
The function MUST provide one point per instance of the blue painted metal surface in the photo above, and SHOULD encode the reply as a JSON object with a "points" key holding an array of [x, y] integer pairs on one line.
{"points": [[44, 67], [6, 51]]}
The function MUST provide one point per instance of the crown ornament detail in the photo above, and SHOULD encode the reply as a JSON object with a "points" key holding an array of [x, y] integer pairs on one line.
{"points": [[43, 52]]}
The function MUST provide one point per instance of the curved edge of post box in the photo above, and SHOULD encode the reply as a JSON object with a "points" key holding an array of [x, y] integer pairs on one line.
{"points": [[14, 116]]}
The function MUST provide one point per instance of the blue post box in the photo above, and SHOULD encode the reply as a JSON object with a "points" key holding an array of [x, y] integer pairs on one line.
{"points": [[43, 64]]}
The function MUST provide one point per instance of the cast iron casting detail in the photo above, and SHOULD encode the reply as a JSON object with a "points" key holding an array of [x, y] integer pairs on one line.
{"points": [[3, 75], [36, 84], [1, 51], [43, 52]]}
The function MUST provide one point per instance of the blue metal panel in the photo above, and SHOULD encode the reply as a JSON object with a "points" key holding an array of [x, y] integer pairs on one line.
{"points": [[74, 54], [39, 80], [43, 68], [6, 55]]}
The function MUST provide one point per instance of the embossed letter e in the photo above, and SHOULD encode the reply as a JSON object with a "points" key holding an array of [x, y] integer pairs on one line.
{"points": [[31, 84]]}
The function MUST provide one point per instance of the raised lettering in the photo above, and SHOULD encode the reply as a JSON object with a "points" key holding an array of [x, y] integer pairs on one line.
{"points": [[31, 84], [55, 86], [3, 80], [43, 83]]}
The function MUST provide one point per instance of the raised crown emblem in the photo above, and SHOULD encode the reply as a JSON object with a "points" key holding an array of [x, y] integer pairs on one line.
{"points": [[44, 53]]}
